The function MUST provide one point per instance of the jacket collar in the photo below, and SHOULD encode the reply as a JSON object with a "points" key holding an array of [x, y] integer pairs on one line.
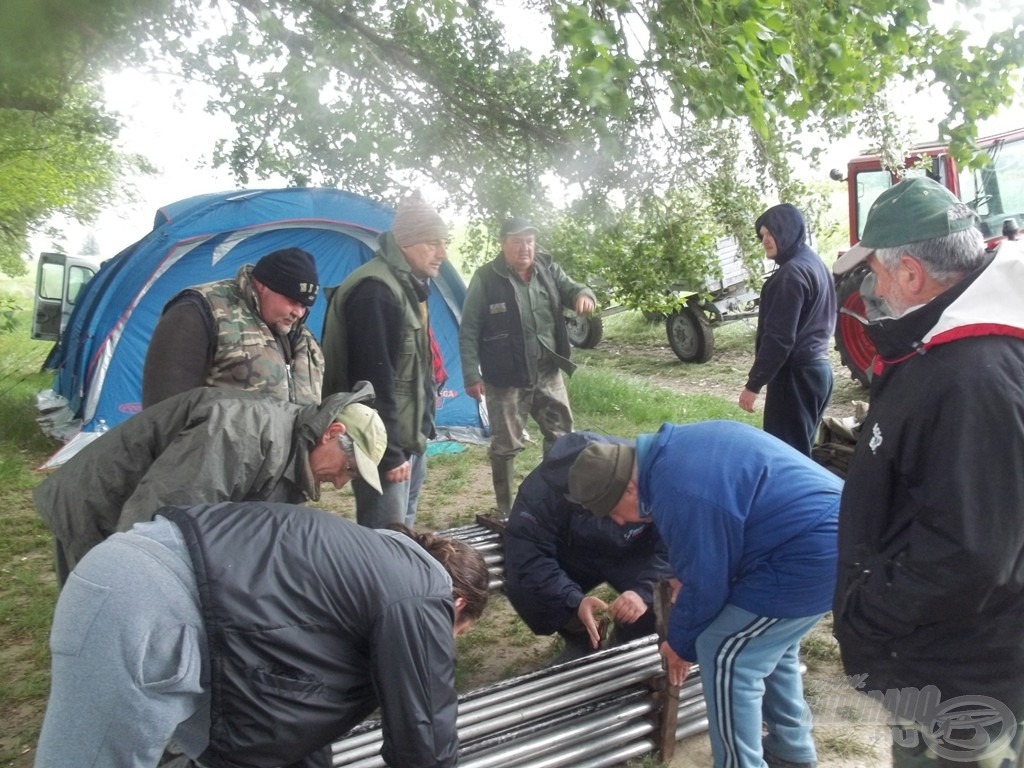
{"points": [[984, 303]]}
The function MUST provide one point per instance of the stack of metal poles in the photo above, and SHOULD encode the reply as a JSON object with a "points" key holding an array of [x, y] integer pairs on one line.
{"points": [[487, 542], [601, 710]]}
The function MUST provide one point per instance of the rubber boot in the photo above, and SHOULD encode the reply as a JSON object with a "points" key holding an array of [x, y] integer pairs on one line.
{"points": [[502, 472]]}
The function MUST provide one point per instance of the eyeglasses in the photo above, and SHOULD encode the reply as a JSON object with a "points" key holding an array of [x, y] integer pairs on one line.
{"points": [[349, 449]]}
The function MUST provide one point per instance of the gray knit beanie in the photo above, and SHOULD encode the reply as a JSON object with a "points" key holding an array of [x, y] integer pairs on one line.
{"points": [[417, 222]]}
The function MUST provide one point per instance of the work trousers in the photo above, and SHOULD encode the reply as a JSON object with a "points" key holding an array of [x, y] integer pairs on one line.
{"points": [[751, 672], [795, 400], [508, 409], [126, 645], [398, 502]]}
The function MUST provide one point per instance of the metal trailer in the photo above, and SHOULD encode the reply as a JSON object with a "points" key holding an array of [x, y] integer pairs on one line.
{"points": [[691, 327]]}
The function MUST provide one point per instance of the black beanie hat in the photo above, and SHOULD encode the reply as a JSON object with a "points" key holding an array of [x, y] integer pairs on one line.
{"points": [[290, 272]]}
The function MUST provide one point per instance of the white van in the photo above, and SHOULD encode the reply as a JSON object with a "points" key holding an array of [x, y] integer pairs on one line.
{"points": [[59, 280]]}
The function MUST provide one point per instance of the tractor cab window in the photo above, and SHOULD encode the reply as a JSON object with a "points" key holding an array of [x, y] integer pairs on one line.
{"points": [[996, 191], [870, 184]]}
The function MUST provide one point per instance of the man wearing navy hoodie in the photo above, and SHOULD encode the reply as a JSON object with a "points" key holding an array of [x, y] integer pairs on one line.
{"points": [[795, 320]]}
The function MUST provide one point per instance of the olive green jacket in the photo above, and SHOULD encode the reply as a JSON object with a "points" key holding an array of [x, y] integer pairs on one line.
{"points": [[202, 446], [391, 330]]}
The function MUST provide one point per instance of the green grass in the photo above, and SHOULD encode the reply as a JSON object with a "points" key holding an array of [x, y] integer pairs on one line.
{"points": [[627, 405], [27, 585], [610, 393], [843, 744]]}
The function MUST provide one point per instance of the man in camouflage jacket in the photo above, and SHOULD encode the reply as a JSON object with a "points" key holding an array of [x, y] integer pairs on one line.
{"points": [[244, 333]]}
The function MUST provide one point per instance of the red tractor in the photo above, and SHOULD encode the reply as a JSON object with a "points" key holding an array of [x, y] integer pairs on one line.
{"points": [[995, 192]]}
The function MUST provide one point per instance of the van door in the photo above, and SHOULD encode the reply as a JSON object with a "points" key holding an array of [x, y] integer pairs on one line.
{"points": [[59, 280]]}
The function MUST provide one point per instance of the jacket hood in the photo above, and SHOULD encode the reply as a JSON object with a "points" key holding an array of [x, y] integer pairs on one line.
{"points": [[563, 454], [986, 303], [392, 254], [313, 420], [787, 226]]}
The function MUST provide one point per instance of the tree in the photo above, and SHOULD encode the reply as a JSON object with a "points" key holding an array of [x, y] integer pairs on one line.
{"points": [[56, 141], [624, 106]]}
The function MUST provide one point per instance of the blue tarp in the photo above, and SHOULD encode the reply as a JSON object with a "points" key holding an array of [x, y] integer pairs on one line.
{"points": [[99, 359]]}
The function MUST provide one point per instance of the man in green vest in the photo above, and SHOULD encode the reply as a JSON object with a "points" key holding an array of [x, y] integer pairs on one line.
{"points": [[247, 332], [513, 342], [377, 329]]}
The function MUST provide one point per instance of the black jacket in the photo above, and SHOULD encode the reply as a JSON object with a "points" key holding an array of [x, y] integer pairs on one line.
{"points": [[546, 532], [313, 622], [797, 311], [930, 587]]}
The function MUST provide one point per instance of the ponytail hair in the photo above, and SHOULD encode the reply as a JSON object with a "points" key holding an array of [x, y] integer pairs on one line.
{"points": [[464, 564]]}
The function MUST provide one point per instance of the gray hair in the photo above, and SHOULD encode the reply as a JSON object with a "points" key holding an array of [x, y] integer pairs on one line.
{"points": [[348, 447], [945, 259]]}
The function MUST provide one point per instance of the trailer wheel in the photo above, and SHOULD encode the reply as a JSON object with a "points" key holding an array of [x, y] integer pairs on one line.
{"points": [[856, 350], [585, 331], [690, 335]]}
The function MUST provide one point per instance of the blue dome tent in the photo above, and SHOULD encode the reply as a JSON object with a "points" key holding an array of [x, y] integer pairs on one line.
{"points": [[99, 358]]}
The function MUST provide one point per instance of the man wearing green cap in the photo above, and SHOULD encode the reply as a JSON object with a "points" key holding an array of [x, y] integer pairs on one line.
{"points": [[204, 446], [929, 601], [750, 526]]}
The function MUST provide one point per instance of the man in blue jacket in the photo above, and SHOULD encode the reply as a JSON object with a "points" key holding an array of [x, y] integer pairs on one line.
{"points": [[750, 526], [556, 552]]}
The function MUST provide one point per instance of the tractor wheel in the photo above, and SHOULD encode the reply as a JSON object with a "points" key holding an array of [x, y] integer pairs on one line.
{"points": [[856, 350], [585, 331], [690, 335]]}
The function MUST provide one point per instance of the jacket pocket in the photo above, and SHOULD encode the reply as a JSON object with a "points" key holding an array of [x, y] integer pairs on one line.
{"points": [[77, 612], [294, 685], [171, 661]]}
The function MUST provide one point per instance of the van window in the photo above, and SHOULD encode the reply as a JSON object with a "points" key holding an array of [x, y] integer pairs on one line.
{"points": [[51, 281], [870, 184], [77, 278]]}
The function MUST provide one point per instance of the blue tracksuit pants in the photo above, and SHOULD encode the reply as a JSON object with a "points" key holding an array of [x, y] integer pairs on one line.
{"points": [[751, 673]]}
